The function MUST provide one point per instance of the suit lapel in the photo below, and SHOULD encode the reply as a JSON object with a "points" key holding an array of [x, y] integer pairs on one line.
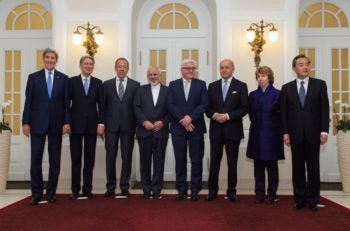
{"points": [[149, 95], [296, 93], [161, 95], [43, 82]]}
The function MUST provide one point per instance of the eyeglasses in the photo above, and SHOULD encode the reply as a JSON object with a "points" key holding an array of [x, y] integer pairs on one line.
{"points": [[190, 68]]}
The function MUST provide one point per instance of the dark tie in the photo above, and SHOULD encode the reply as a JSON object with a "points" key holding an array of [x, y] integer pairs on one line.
{"points": [[121, 88], [86, 86], [49, 83], [302, 93], [224, 89]]}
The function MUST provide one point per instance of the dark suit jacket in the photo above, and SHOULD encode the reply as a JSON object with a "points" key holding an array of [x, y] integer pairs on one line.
{"points": [[85, 109], [42, 113], [119, 114], [194, 107], [145, 110], [236, 105], [310, 120]]}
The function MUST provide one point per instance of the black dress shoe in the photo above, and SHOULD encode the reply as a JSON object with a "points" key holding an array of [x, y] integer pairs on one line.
{"points": [[125, 193], [211, 196], [299, 206], [74, 196], [181, 196], [35, 200], [147, 195], [89, 195], [51, 198], [233, 198], [194, 197], [156, 195], [109, 194], [313, 208]]}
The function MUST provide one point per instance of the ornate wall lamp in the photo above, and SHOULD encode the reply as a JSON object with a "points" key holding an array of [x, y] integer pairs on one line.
{"points": [[94, 38], [255, 37]]}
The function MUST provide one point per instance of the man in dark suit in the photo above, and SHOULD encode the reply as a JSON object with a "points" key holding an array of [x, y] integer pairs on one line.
{"points": [[152, 131], [187, 102], [86, 95], [305, 125], [120, 124], [228, 103], [46, 114]]}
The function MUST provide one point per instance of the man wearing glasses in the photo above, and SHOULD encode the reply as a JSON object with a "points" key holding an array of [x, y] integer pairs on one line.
{"points": [[187, 101]]}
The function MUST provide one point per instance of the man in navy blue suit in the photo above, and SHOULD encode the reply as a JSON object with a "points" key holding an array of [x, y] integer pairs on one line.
{"points": [[86, 95], [46, 114], [187, 102], [152, 131]]}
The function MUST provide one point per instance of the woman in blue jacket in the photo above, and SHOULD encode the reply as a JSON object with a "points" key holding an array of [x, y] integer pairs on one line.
{"points": [[265, 144]]}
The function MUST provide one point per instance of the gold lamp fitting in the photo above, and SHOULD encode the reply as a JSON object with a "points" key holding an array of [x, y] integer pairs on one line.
{"points": [[94, 38], [255, 38]]}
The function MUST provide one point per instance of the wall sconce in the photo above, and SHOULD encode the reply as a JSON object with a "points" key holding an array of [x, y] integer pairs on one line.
{"points": [[94, 38], [255, 37]]}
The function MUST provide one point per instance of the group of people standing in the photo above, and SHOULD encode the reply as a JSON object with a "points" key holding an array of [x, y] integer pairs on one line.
{"points": [[84, 107]]}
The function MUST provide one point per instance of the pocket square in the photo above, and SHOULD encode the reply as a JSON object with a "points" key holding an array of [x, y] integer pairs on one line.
{"points": [[234, 92]]}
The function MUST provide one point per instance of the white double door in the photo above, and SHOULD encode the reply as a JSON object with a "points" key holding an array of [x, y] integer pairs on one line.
{"points": [[168, 53]]}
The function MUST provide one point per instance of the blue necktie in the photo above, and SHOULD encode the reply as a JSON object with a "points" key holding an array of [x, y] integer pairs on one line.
{"points": [[49, 83], [302, 93], [224, 89], [86, 86]]}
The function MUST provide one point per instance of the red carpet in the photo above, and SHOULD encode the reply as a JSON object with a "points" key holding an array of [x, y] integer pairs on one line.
{"points": [[137, 213]]}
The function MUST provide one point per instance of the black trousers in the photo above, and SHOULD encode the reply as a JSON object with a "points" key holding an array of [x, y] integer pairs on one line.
{"points": [[152, 148], [271, 167], [216, 151], [126, 148], [37, 142], [76, 152], [306, 191]]}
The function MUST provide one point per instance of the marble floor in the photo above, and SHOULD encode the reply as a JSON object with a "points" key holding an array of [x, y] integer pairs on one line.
{"points": [[12, 195]]}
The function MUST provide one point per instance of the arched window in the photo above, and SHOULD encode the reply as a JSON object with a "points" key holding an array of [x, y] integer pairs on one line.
{"points": [[322, 15], [29, 16], [173, 16]]}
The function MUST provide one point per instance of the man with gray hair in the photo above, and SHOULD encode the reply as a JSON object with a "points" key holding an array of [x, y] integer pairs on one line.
{"points": [[187, 102], [46, 114]]}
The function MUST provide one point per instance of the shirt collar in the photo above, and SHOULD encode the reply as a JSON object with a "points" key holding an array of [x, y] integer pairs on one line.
{"points": [[306, 80], [47, 72], [228, 80]]}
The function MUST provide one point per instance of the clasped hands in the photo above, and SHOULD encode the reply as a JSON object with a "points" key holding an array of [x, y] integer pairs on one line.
{"points": [[186, 122], [155, 127]]}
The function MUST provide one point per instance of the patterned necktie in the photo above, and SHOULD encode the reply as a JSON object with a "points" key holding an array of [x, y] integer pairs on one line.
{"points": [[302, 93], [86, 86], [49, 83], [186, 88], [224, 89], [121, 88]]}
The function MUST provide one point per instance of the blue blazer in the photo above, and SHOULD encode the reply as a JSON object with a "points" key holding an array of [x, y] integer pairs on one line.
{"points": [[42, 113], [195, 106], [145, 110], [265, 133]]}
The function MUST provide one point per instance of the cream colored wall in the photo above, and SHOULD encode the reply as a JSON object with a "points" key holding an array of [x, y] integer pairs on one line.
{"points": [[234, 17]]}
